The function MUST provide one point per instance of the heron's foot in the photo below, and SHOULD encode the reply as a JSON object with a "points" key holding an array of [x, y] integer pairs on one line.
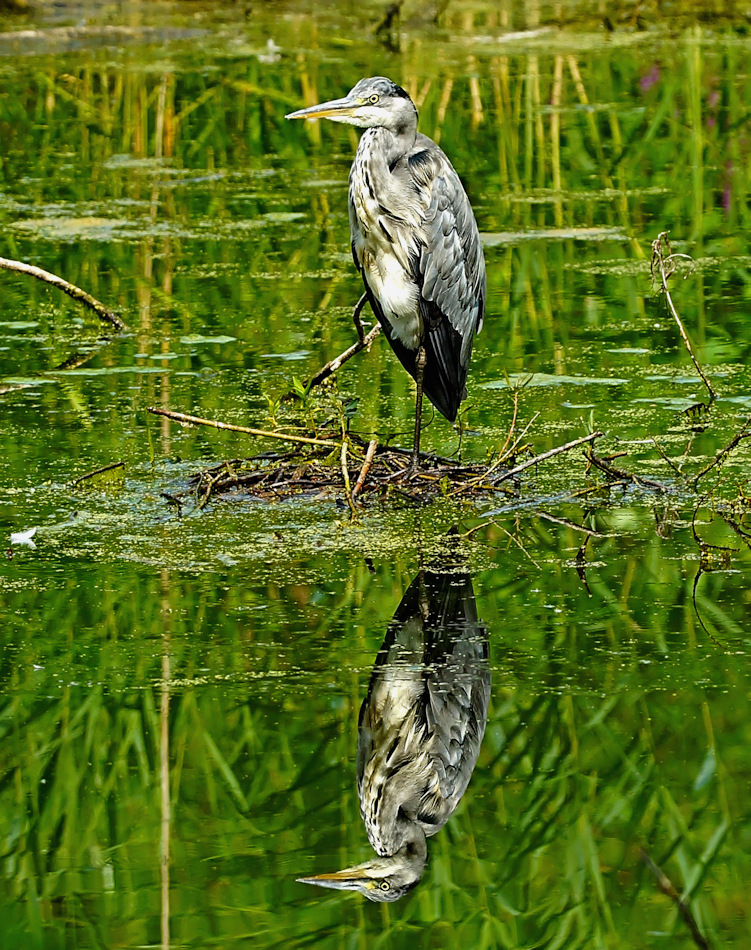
{"points": [[412, 470]]}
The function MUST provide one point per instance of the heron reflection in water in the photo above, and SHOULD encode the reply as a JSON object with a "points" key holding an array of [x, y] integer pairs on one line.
{"points": [[419, 732], [415, 242]]}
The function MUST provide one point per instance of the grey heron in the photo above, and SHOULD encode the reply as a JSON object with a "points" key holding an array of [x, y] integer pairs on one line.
{"points": [[415, 242], [419, 732]]}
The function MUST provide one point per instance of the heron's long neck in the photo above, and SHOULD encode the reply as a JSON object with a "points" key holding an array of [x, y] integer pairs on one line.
{"points": [[413, 850], [377, 154], [389, 829]]}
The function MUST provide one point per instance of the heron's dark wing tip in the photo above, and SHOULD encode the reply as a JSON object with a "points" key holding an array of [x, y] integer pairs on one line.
{"points": [[445, 370]]}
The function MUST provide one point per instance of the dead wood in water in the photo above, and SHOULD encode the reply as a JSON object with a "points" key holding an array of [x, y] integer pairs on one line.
{"points": [[274, 476], [376, 471], [185, 419], [104, 314], [619, 475]]}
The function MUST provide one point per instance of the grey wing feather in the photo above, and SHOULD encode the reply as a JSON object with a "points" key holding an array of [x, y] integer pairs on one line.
{"points": [[422, 722], [432, 239], [449, 267], [451, 263], [456, 715]]}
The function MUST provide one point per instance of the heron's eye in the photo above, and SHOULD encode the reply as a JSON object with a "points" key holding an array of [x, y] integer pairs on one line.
{"points": [[374, 99], [384, 884]]}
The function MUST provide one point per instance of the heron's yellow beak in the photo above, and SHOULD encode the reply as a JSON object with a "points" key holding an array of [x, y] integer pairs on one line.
{"points": [[348, 879], [333, 109]]}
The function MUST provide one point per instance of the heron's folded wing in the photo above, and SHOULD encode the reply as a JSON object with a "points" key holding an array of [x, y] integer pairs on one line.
{"points": [[450, 269]]}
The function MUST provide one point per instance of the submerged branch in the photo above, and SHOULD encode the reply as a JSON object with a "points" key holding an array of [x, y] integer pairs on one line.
{"points": [[104, 314], [619, 474], [667, 887], [97, 471]]}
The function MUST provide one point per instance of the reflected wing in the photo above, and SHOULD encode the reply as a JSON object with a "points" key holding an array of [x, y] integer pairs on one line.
{"points": [[423, 719]]}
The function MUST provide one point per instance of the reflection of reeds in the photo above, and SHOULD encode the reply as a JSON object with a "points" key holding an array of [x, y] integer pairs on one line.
{"points": [[199, 170], [570, 784], [546, 140]]}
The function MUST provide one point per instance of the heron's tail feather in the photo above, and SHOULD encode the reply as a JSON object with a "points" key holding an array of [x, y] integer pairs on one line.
{"points": [[445, 370], [446, 366]]}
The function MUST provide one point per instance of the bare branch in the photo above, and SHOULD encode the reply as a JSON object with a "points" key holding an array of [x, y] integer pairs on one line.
{"points": [[666, 886], [666, 266], [369, 456], [261, 433], [618, 473], [546, 455], [333, 365], [723, 453], [105, 315]]}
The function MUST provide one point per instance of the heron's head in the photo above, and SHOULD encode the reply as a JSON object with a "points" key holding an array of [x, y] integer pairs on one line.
{"points": [[372, 102], [381, 879]]}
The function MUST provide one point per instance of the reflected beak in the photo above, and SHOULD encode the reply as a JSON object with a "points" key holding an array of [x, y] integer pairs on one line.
{"points": [[349, 879], [333, 109]]}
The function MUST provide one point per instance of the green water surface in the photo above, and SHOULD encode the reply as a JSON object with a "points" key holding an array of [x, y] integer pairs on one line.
{"points": [[180, 695]]}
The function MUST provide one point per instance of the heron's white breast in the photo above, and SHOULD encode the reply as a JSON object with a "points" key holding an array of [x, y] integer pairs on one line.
{"points": [[397, 295], [382, 251]]}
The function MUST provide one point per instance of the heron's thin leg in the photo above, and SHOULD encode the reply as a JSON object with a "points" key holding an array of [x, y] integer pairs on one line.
{"points": [[356, 317], [420, 360]]}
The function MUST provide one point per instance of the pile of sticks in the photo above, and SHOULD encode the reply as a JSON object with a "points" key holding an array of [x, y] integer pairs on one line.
{"points": [[347, 468]]}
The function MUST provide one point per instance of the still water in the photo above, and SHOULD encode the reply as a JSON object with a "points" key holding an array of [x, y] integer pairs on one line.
{"points": [[182, 734]]}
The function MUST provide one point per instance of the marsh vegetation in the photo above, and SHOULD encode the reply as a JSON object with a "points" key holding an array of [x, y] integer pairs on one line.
{"points": [[181, 684]]}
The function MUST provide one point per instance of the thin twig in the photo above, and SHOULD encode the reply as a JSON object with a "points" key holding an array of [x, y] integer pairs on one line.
{"points": [[546, 455], [738, 437], [618, 473], [107, 316], [517, 441], [183, 417], [665, 272], [97, 471], [744, 536], [518, 543], [333, 365], [345, 476], [513, 423], [666, 886], [570, 524], [369, 456], [502, 456], [210, 482], [665, 457]]}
